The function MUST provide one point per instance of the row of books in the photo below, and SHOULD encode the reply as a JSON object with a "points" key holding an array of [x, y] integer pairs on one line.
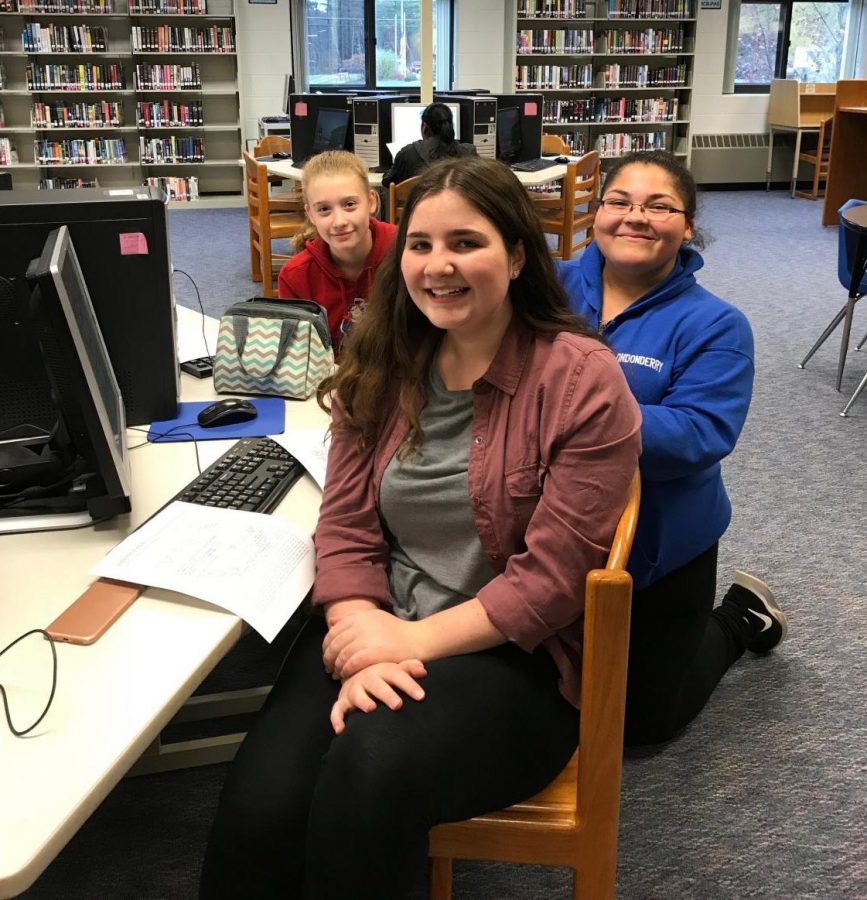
{"points": [[170, 113], [79, 7], [555, 40], [181, 187], [82, 77], [8, 155], [620, 143], [616, 75], [611, 109], [651, 9], [172, 38], [167, 77], [552, 9], [60, 114], [539, 78], [646, 40], [66, 184], [38, 38], [174, 149], [169, 7], [80, 151]]}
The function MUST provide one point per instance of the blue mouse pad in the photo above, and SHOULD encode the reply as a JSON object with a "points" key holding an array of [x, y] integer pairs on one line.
{"points": [[185, 427]]}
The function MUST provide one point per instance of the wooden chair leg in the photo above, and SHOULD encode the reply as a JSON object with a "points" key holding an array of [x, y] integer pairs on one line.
{"points": [[267, 277], [440, 870], [255, 261]]}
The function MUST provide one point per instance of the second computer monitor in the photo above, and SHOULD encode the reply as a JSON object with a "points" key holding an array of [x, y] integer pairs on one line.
{"points": [[406, 122], [319, 122]]}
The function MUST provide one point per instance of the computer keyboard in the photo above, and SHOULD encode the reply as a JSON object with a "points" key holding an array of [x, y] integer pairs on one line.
{"points": [[534, 165], [254, 474]]}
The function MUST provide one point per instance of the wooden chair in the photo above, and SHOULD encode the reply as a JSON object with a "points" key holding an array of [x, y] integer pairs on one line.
{"points": [[554, 144], [271, 144], [397, 194], [268, 219], [571, 211], [574, 821], [819, 157]]}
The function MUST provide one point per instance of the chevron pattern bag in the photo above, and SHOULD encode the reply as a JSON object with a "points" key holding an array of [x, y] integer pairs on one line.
{"points": [[280, 347]]}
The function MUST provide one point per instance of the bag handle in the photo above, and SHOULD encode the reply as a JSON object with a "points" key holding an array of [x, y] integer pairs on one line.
{"points": [[287, 329]]}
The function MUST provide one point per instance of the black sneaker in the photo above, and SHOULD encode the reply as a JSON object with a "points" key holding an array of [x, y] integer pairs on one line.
{"points": [[757, 605]]}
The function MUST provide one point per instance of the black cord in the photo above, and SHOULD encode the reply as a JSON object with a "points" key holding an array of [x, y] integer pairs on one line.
{"points": [[201, 307], [50, 640], [162, 434]]}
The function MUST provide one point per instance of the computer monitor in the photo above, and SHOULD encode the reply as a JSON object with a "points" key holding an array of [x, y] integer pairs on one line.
{"points": [[122, 243], [329, 132], [80, 471], [288, 90], [406, 122], [509, 143]]}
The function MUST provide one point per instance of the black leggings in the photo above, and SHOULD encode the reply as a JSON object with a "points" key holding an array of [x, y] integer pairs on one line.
{"points": [[680, 647], [306, 814]]}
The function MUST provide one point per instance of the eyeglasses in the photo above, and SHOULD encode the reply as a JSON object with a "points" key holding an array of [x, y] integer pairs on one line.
{"points": [[656, 212], [22, 731]]}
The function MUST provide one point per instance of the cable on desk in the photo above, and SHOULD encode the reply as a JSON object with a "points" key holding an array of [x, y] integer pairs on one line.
{"points": [[201, 307], [50, 640], [162, 434]]}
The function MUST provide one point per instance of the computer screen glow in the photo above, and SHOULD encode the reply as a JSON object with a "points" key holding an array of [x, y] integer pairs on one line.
{"points": [[406, 122]]}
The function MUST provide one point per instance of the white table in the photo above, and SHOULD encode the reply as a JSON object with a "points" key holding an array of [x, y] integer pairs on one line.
{"points": [[114, 696], [287, 169]]}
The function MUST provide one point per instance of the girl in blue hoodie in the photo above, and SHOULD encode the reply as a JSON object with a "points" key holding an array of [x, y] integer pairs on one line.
{"points": [[688, 358]]}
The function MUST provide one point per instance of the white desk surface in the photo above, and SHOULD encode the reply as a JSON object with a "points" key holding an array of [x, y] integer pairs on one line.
{"points": [[287, 169], [114, 696]]}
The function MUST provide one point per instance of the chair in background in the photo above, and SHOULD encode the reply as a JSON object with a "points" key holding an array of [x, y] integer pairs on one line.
{"points": [[397, 194], [554, 144], [571, 211], [268, 219], [573, 822], [271, 144], [855, 282], [818, 157]]}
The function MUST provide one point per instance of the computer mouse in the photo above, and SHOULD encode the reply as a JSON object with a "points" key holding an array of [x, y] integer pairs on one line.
{"points": [[227, 412], [563, 160], [281, 154]]}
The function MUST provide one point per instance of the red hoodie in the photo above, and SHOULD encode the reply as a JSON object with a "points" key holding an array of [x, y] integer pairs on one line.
{"points": [[312, 275]]}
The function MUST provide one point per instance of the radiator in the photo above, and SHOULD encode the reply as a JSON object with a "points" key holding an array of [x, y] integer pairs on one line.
{"points": [[740, 158]]}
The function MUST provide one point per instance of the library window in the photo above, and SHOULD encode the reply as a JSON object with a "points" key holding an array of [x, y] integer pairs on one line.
{"points": [[788, 39], [369, 43]]}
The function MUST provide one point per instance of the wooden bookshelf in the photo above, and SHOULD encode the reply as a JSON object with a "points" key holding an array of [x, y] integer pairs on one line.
{"points": [[847, 174]]}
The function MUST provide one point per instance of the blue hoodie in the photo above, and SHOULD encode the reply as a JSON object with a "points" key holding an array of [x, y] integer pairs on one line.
{"points": [[688, 358]]}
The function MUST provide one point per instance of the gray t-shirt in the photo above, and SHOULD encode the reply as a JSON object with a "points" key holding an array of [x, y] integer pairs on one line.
{"points": [[436, 557]]}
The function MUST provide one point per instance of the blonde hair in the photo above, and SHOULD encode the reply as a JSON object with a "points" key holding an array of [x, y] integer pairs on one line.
{"points": [[328, 163]]}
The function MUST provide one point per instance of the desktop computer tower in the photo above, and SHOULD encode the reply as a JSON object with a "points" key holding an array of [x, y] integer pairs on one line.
{"points": [[121, 240], [478, 121], [371, 127], [529, 108], [319, 122]]}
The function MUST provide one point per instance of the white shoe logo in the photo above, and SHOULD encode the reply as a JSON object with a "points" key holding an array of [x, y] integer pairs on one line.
{"points": [[768, 621]]}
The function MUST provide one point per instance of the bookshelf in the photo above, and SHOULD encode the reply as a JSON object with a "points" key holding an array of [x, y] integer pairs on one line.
{"points": [[616, 75], [121, 93]]}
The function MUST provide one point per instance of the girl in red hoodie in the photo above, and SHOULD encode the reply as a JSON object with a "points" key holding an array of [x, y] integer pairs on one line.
{"points": [[343, 243]]}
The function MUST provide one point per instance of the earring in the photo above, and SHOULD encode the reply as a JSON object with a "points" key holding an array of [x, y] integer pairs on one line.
{"points": [[515, 273]]}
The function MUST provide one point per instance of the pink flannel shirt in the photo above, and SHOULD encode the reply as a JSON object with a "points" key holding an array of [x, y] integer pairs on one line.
{"points": [[555, 440]]}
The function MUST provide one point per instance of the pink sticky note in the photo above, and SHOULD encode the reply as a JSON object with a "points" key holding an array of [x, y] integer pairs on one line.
{"points": [[300, 108], [530, 109], [133, 243]]}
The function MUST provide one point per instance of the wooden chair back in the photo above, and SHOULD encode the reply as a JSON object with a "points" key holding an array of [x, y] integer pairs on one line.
{"points": [[819, 157], [571, 212], [271, 144], [397, 194], [574, 821], [268, 219], [553, 143]]}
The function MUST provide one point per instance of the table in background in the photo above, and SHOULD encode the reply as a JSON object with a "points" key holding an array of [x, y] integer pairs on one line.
{"points": [[847, 172], [116, 695]]}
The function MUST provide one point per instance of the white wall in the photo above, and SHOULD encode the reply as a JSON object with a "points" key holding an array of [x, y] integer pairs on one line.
{"points": [[483, 45], [264, 57]]}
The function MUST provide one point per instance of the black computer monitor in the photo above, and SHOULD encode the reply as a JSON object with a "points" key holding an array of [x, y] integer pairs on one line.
{"points": [[288, 90], [82, 466], [509, 143], [329, 132]]}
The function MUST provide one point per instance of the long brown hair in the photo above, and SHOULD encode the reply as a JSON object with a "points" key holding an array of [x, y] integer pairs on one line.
{"points": [[380, 361], [327, 164]]}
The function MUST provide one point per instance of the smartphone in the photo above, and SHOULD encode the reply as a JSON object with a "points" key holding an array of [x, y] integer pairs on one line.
{"points": [[88, 617]]}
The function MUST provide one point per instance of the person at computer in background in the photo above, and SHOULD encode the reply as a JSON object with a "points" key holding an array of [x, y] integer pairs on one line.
{"points": [[688, 358], [341, 244], [482, 449], [437, 142]]}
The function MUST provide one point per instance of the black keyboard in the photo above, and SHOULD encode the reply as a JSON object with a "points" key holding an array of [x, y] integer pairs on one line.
{"points": [[534, 165], [255, 474]]}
